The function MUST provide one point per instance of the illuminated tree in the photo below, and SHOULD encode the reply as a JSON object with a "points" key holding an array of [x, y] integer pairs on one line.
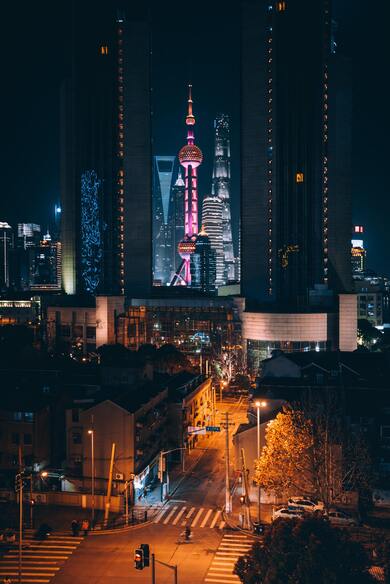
{"points": [[303, 552], [311, 451]]}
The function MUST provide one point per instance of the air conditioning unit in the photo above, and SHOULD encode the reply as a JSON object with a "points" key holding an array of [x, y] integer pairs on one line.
{"points": [[119, 476]]}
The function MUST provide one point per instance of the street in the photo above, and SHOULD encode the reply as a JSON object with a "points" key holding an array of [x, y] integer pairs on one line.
{"points": [[197, 501]]}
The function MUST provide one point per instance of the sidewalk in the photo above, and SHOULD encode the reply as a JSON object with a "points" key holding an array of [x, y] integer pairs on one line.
{"points": [[176, 476]]}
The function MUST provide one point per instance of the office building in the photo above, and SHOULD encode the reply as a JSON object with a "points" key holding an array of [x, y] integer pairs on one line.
{"points": [[6, 245], [221, 187], [177, 204], [164, 251], [358, 252], [296, 181], [45, 265], [29, 234], [212, 213], [106, 154], [203, 264]]}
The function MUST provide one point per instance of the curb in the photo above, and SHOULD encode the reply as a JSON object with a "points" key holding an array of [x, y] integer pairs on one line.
{"points": [[128, 528]]}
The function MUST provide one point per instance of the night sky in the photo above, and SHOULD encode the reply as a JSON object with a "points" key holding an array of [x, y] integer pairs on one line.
{"points": [[200, 44]]}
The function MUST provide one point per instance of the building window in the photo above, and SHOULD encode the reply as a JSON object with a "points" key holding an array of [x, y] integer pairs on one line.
{"points": [[75, 415], [91, 332], [280, 6], [65, 330], [76, 438], [15, 438], [104, 50], [299, 177], [27, 438]]}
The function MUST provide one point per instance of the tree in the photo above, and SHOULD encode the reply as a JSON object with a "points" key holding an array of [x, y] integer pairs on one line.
{"points": [[368, 335], [169, 359], [311, 451], [302, 552]]}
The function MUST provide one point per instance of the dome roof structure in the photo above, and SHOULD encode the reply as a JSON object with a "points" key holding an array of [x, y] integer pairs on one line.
{"points": [[190, 153]]}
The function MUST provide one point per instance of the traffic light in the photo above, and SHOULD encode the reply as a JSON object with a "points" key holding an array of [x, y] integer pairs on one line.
{"points": [[145, 548], [139, 562]]}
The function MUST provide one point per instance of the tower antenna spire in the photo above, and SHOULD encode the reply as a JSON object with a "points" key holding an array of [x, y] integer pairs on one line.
{"points": [[190, 120]]}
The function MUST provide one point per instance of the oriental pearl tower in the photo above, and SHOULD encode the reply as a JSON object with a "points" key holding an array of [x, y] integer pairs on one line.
{"points": [[190, 157]]}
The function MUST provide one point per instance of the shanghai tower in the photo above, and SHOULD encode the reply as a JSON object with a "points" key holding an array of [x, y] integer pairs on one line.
{"points": [[221, 188]]}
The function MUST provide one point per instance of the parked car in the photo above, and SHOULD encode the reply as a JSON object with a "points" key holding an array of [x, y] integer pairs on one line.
{"points": [[341, 518], [306, 504], [286, 513]]}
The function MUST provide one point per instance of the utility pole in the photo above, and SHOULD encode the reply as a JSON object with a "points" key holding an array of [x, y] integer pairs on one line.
{"points": [[109, 486], [20, 481], [127, 502], [227, 467]]}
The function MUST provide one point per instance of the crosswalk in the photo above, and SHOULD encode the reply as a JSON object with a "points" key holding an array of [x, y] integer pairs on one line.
{"points": [[232, 546], [202, 517], [41, 560]]}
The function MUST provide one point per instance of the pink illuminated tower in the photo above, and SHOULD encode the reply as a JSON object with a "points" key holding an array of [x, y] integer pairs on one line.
{"points": [[190, 156]]}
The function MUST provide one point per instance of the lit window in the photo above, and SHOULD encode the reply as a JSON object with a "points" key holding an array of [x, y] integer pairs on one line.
{"points": [[299, 177], [104, 50], [280, 6]]}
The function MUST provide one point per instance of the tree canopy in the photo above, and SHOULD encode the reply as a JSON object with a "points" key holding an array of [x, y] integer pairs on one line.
{"points": [[311, 451], [305, 552]]}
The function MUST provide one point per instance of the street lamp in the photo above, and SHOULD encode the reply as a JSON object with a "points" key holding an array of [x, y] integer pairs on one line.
{"points": [[259, 405], [92, 434]]}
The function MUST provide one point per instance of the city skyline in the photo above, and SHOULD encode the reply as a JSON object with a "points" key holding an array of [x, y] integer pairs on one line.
{"points": [[43, 79]]}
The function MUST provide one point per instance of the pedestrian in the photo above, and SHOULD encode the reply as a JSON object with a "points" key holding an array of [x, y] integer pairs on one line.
{"points": [[75, 527], [85, 526]]}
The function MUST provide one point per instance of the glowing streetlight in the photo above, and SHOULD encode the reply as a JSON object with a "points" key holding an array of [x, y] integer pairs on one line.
{"points": [[259, 404], [92, 434]]}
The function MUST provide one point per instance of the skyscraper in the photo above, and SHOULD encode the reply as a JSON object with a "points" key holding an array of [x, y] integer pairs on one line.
{"points": [[6, 244], [163, 218], [203, 264], [190, 156], [358, 252], [106, 153], [212, 213], [177, 204], [296, 195], [221, 187]]}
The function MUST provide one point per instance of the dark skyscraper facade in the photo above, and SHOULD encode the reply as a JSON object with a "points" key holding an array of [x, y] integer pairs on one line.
{"points": [[203, 264], [296, 196], [105, 153]]}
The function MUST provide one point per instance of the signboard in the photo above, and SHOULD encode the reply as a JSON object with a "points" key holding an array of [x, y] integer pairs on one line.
{"points": [[196, 430], [213, 428]]}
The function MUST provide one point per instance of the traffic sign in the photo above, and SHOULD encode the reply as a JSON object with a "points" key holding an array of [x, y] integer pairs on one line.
{"points": [[196, 430], [213, 428]]}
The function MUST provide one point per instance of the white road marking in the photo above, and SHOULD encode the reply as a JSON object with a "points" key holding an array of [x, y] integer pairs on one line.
{"points": [[215, 518], [188, 515], [161, 514], [170, 515], [206, 518], [197, 517], [222, 525], [177, 518]]}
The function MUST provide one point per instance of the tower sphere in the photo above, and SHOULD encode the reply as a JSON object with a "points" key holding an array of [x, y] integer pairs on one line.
{"points": [[190, 154]]}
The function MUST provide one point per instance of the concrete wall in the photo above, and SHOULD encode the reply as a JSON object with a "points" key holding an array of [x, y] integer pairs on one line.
{"points": [[347, 322], [107, 310], [268, 326]]}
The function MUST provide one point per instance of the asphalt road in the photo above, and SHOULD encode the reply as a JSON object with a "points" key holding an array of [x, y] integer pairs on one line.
{"points": [[110, 558]]}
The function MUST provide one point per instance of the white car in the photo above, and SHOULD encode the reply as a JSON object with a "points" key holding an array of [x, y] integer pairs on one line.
{"points": [[341, 518], [286, 513], [305, 504]]}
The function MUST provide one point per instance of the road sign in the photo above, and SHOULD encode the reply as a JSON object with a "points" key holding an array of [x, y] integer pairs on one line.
{"points": [[196, 430], [213, 428]]}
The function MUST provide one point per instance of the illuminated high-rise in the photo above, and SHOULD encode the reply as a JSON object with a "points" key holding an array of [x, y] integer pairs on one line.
{"points": [[212, 213], [164, 226], [106, 153], [221, 187], [296, 179], [6, 244], [358, 251]]}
